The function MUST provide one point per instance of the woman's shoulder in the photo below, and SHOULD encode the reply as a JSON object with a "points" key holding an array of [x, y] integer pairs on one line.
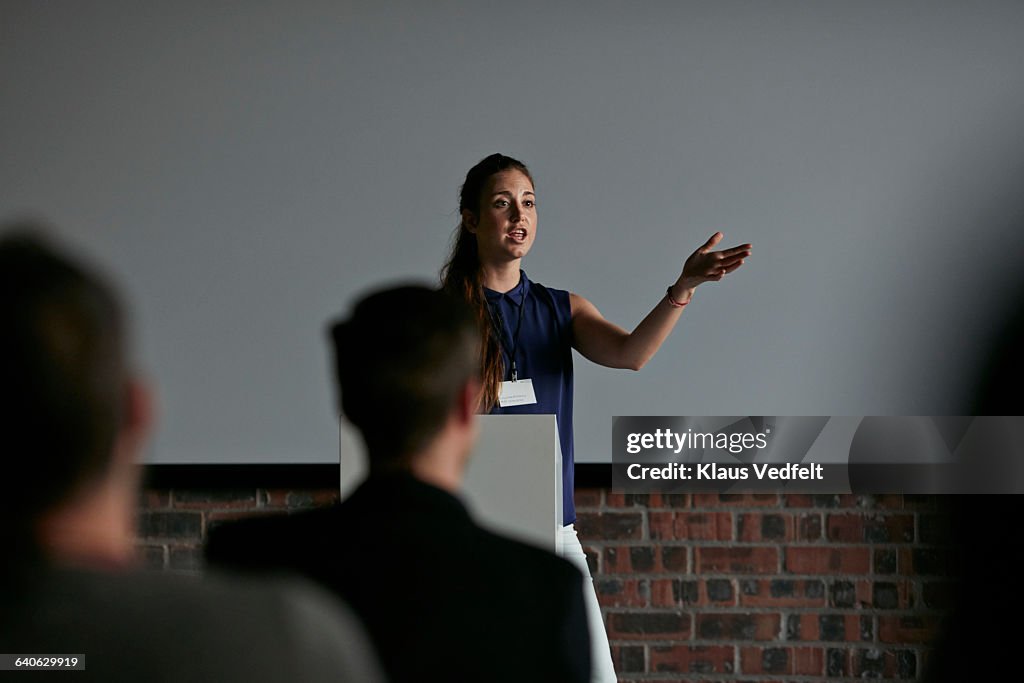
{"points": [[544, 288], [559, 301], [560, 296]]}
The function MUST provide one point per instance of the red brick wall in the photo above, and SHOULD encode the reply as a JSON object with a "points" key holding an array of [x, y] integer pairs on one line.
{"points": [[768, 587], [707, 587]]}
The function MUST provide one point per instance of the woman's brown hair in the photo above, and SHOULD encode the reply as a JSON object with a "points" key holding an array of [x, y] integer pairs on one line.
{"points": [[462, 275]]}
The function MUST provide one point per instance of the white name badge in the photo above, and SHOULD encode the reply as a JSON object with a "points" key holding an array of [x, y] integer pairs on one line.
{"points": [[518, 393]]}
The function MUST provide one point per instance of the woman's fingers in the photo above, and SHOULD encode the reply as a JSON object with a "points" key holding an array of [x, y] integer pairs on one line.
{"points": [[705, 265], [722, 269], [712, 241], [741, 249], [729, 262]]}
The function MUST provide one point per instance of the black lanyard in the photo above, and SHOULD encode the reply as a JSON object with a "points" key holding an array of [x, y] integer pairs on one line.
{"points": [[499, 330]]}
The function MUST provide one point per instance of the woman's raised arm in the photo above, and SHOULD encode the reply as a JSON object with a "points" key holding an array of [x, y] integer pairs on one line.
{"points": [[605, 343]]}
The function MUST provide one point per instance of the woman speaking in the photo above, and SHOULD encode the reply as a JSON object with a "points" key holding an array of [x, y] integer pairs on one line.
{"points": [[529, 330]]}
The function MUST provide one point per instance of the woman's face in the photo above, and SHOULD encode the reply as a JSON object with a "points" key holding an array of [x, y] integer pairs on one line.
{"points": [[507, 223]]}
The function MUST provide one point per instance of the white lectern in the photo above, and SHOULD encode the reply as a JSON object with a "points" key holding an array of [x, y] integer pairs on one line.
{"points": [[514, 481]]}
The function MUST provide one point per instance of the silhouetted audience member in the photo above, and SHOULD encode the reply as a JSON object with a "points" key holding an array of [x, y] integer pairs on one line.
{"points": [[73, 419], [443, 599]]}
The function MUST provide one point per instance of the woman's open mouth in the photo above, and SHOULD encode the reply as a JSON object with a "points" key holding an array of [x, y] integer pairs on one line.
{"points": [[517, 235]]}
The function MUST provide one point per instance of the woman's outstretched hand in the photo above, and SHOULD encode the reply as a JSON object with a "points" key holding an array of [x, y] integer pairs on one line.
{"points": [[608, 344], [705, 265]]}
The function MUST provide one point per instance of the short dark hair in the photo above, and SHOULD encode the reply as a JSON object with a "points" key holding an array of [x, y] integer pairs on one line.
{"points": [[401, 360], [62, 374]]}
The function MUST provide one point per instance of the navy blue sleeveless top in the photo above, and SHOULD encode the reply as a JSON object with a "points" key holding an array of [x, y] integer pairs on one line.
{"points": [[544, 355]]}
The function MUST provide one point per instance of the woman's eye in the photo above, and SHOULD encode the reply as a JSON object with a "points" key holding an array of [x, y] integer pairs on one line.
{"points": [[528, 202], [501, 203]]}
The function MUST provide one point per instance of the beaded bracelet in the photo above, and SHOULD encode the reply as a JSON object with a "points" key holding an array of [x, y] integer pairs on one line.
{"points": [[673, 302]]}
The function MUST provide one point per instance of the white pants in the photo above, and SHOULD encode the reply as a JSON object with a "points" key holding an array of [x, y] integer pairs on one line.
{"points": [[601, 668]]}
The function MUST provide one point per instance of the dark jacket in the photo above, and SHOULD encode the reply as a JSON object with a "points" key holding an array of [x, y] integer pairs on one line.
{"points": [[442, 598]]}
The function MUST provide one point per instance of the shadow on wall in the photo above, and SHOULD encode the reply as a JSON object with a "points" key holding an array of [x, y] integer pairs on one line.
{"points": [[1001, 386], [978, 641], [978, 187]]}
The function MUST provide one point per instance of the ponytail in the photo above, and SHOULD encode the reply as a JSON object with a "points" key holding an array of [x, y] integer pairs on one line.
{"points": [[463, 276]]}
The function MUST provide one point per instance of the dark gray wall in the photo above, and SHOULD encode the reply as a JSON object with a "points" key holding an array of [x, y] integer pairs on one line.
{"points": [[247, 168]]}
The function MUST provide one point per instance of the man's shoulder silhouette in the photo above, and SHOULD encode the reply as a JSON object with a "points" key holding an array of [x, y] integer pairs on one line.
{"points": [[135, 625], [437, 592]]}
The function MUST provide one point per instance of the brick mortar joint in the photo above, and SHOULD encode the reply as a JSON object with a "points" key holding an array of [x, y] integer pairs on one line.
{"points": [[678, 543], [785, 576], [727, 610], [715, 576], [770, 678], [776, 506], [771, 543], [845, 645]]}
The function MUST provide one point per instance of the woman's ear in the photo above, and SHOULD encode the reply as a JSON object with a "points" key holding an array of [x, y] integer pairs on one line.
{"points": [[469, 220]]}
